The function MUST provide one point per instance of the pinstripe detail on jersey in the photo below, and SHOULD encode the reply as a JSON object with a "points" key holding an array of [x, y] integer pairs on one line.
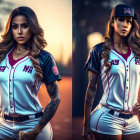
{"points": [[108, 88], [33, 96], [125, 76], [124, 87], [129, 83], [16, 97], [13, 93], [98, 120], [32, 91], [9, 79], [13, 78], [6, 63], [9, 90]]}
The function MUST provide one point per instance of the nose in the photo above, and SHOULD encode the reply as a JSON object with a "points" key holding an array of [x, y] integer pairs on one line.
{"points": [[19, 30], [125, 23]]}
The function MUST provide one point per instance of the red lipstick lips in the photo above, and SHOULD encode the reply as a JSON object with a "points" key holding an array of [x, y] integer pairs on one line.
{"points": [[124, 31], [20, 38]]}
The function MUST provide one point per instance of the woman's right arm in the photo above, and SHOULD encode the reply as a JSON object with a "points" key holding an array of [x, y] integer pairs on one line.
{"points": [[89, 98]]}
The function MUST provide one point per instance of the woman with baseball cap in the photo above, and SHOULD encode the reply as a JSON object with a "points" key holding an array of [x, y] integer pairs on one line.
{"points": [[117, 62]]}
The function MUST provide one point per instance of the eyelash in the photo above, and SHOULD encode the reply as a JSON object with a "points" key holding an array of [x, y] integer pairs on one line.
{"points": [[14, 26], [23, 26], [123, 20]]}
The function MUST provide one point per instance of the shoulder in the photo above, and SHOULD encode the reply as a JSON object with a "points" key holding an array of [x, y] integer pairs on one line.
{"points": [[94, 58], [49, 68], [45, 57], [98, 48], [44, 54]]}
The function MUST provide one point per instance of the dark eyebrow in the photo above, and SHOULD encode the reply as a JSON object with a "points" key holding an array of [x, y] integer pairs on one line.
{"points": [[21, 23], [129, 17], [14, 23], [25, 23]]}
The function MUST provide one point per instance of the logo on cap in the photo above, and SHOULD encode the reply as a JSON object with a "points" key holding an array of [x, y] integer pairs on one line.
{"points": [[126, 10]]}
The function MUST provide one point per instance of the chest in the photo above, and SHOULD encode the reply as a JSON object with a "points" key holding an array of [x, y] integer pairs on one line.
{"points": [[120, 66], [22, 71]]}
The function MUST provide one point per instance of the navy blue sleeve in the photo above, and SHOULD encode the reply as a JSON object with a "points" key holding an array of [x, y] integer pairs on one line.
{"points": [[50, 70], [94, 59]]}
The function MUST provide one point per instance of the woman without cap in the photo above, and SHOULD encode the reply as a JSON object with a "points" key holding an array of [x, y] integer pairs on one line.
{"points": [[24, 66], [117, 62]]}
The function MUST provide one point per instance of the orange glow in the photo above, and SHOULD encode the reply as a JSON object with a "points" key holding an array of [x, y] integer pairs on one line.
{"points": [[94, 39]]}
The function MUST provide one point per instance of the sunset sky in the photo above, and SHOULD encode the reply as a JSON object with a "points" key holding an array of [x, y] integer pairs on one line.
{"points": [[55, 17]]}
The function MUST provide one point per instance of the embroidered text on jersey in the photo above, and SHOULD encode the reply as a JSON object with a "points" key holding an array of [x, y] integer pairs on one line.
{"points": [[137, 61], [2, 68], [114, 62], [28, 69]]}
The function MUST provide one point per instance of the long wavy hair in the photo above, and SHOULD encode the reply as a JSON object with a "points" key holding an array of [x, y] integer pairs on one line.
{"points": [[132, 40], [37, 40]]}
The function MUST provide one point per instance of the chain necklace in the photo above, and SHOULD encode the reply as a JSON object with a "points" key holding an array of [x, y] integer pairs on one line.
{"points": [[121, 49], [20, 53]]}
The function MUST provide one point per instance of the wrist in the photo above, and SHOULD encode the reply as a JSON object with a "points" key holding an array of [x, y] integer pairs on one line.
{"points": [[36, 132], [37, 129]]}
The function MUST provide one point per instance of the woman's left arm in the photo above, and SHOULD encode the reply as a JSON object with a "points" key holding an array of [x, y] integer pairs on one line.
{"points": [[51, 108], [49, 111]]}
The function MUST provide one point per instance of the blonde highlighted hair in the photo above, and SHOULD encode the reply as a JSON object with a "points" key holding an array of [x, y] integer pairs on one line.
{"points": [[132, 40], [37, 40]]}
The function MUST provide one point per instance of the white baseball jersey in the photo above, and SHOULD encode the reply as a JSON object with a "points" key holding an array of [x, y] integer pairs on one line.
{"points": [[121, 84], [19, 86]]}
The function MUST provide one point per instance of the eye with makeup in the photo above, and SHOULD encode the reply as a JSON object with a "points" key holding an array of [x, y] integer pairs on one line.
{"points": [[25, 25], [129, 20], [14, 26], [122, 19]]}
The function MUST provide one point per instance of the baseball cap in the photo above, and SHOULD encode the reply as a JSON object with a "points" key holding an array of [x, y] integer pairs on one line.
{"points": [[123, 10]]}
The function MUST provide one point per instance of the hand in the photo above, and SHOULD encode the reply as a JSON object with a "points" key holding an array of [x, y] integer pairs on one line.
{"points": [[136, 109], [31, 135], [87, 133]]}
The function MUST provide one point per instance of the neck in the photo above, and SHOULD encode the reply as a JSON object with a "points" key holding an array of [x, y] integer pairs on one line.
{"points": [[22, 47], [119, 40]]}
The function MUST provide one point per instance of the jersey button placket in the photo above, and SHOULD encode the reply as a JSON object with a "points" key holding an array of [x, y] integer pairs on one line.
{"points": [[126, 87], [11, 89]]}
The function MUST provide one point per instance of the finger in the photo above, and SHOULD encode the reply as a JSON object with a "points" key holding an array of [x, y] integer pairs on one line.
{"points": [[91, 136], [21, 135], [138, 107], [137, 104], [137, 110]]}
